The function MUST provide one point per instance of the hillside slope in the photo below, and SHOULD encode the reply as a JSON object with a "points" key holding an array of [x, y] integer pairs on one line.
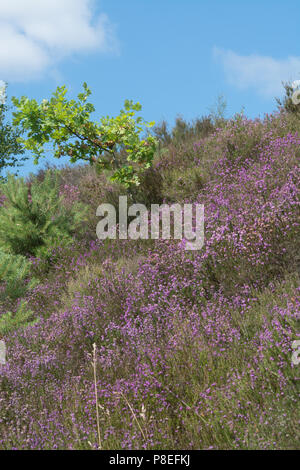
{"points": [[193, 349]]}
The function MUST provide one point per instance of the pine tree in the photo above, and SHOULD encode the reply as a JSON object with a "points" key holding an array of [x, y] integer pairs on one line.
{"points": [[21, 318], [34, 219], [14, 272]]}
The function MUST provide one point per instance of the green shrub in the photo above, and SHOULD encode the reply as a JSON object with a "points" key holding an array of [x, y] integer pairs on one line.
{"points": [[150, 190], [34, 220], [14, 269], [180, 184], [11, 321], [183, 131]]}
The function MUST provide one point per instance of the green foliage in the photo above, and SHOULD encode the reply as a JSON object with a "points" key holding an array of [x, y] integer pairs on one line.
{"points": [[10, 149], [183, 131], [67, 125], [286, 104], [150, 190], [12, 321], [13, 266], [94, 190], [179, 184], [14, 269], [33, 219]]}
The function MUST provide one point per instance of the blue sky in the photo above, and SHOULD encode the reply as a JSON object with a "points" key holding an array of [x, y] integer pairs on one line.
{"points": [[174, 56]]}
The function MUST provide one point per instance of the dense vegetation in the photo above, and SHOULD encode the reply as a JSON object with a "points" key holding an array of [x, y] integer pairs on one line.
{"points": [[189, 350]]}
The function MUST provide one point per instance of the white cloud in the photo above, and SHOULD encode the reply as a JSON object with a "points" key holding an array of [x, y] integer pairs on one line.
{"points": [[36, 34], [262, 73]]}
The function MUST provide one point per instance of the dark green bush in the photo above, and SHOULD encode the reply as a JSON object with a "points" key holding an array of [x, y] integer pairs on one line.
{"points": [[33, 219]]}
